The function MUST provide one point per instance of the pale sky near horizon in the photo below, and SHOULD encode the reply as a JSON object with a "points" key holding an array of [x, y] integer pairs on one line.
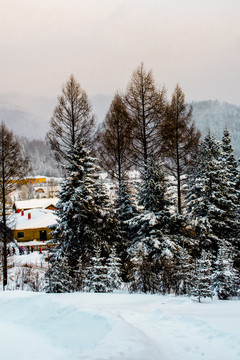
{"points": [[195, 43]]}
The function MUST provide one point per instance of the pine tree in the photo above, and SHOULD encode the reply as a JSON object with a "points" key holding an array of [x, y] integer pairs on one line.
{"points": [[233, 193], [154, 229], [228, 155], [97, 279], [60, 280], [146, 106], [202, 281], [79, 276], [114, 140], [152, 193], [224, 275], [211, 209], [143, 275], [183, 272], [180, 139], [126, 210], [83, 214], [125, 202], [114, 270], [71, 122]]}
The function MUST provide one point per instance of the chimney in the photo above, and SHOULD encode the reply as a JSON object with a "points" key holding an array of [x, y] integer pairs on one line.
{"points": [[18, 211], [22, 212], [29, 216]]}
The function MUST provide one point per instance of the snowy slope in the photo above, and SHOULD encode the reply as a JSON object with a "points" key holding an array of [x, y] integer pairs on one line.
{"points": [[116, 326]]}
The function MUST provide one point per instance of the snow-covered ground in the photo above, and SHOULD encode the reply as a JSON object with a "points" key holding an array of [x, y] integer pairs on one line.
{"points": [[116, 326]]}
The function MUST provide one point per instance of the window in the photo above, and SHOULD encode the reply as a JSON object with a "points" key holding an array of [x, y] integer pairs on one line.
{"points": [[20, 235]]}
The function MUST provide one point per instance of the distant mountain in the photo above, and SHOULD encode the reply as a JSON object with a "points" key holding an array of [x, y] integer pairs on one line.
{"points": [[216, 116], [29, 116], [26, 115]]}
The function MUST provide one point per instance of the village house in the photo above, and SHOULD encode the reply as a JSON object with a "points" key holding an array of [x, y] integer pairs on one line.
{"points": [[31, 222], [49, 204], [32, 228]]}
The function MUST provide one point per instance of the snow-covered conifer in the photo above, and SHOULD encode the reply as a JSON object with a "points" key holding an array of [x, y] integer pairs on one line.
{"points": [[143, 276], [154, 229], [125, 203], [80, 276], [114, 270], [202, 278], [224, 275], [211, 208], [59, 278], [126, 210], [84, 218], [97, 279], [152, 194], [183, 272]]}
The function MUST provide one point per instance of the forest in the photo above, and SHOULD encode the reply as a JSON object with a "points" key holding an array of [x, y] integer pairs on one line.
{"points": [[175, 230]]}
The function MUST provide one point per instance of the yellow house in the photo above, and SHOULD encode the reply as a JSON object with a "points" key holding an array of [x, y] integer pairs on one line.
{"points": [[32, 227], [32, 180]]}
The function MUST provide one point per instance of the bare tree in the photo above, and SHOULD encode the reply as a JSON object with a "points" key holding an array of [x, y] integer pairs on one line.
{"points": [[114, 140], [146, 106], [72, 120], [13, 171], [180, 139]]}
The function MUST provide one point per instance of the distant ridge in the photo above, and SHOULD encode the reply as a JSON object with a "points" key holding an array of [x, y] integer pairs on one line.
{"points": [[30, 116], [216, 116]]}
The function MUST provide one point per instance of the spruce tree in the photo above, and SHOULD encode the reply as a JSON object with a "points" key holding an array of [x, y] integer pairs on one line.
{"points": [[154, 229], [202, 280], [224, 275], [83, 211], [233, 193], [114, 270], [228, 155], [143, 276], [60, 280], [183, 272], [211, 209], [79, 276], [97, 278], [126, 210]]}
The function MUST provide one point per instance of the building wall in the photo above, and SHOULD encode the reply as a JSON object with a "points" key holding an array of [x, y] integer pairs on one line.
{"points": [[31, 234]]}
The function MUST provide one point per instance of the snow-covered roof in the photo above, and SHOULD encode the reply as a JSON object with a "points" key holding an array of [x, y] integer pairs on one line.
{"points": [[40, 218], [35, 203]]}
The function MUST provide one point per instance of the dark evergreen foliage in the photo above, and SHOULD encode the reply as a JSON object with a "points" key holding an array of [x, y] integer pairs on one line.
{"points": [[155, 233], [211, 205], [202, 278], [224, 275], [83, 212], [97, 279]]}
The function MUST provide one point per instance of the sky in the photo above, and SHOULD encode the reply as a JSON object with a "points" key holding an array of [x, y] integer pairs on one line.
{"points": [[195, 43]]}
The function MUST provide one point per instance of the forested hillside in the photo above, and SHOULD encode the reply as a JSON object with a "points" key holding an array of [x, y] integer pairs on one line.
{"points": [[24, 121], [177, 234], [42, 161], [215, 116]]}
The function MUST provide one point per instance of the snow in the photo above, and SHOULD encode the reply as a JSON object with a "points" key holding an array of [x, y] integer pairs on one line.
{"points": [[36, 203], [116, 326], [39, 218]]}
